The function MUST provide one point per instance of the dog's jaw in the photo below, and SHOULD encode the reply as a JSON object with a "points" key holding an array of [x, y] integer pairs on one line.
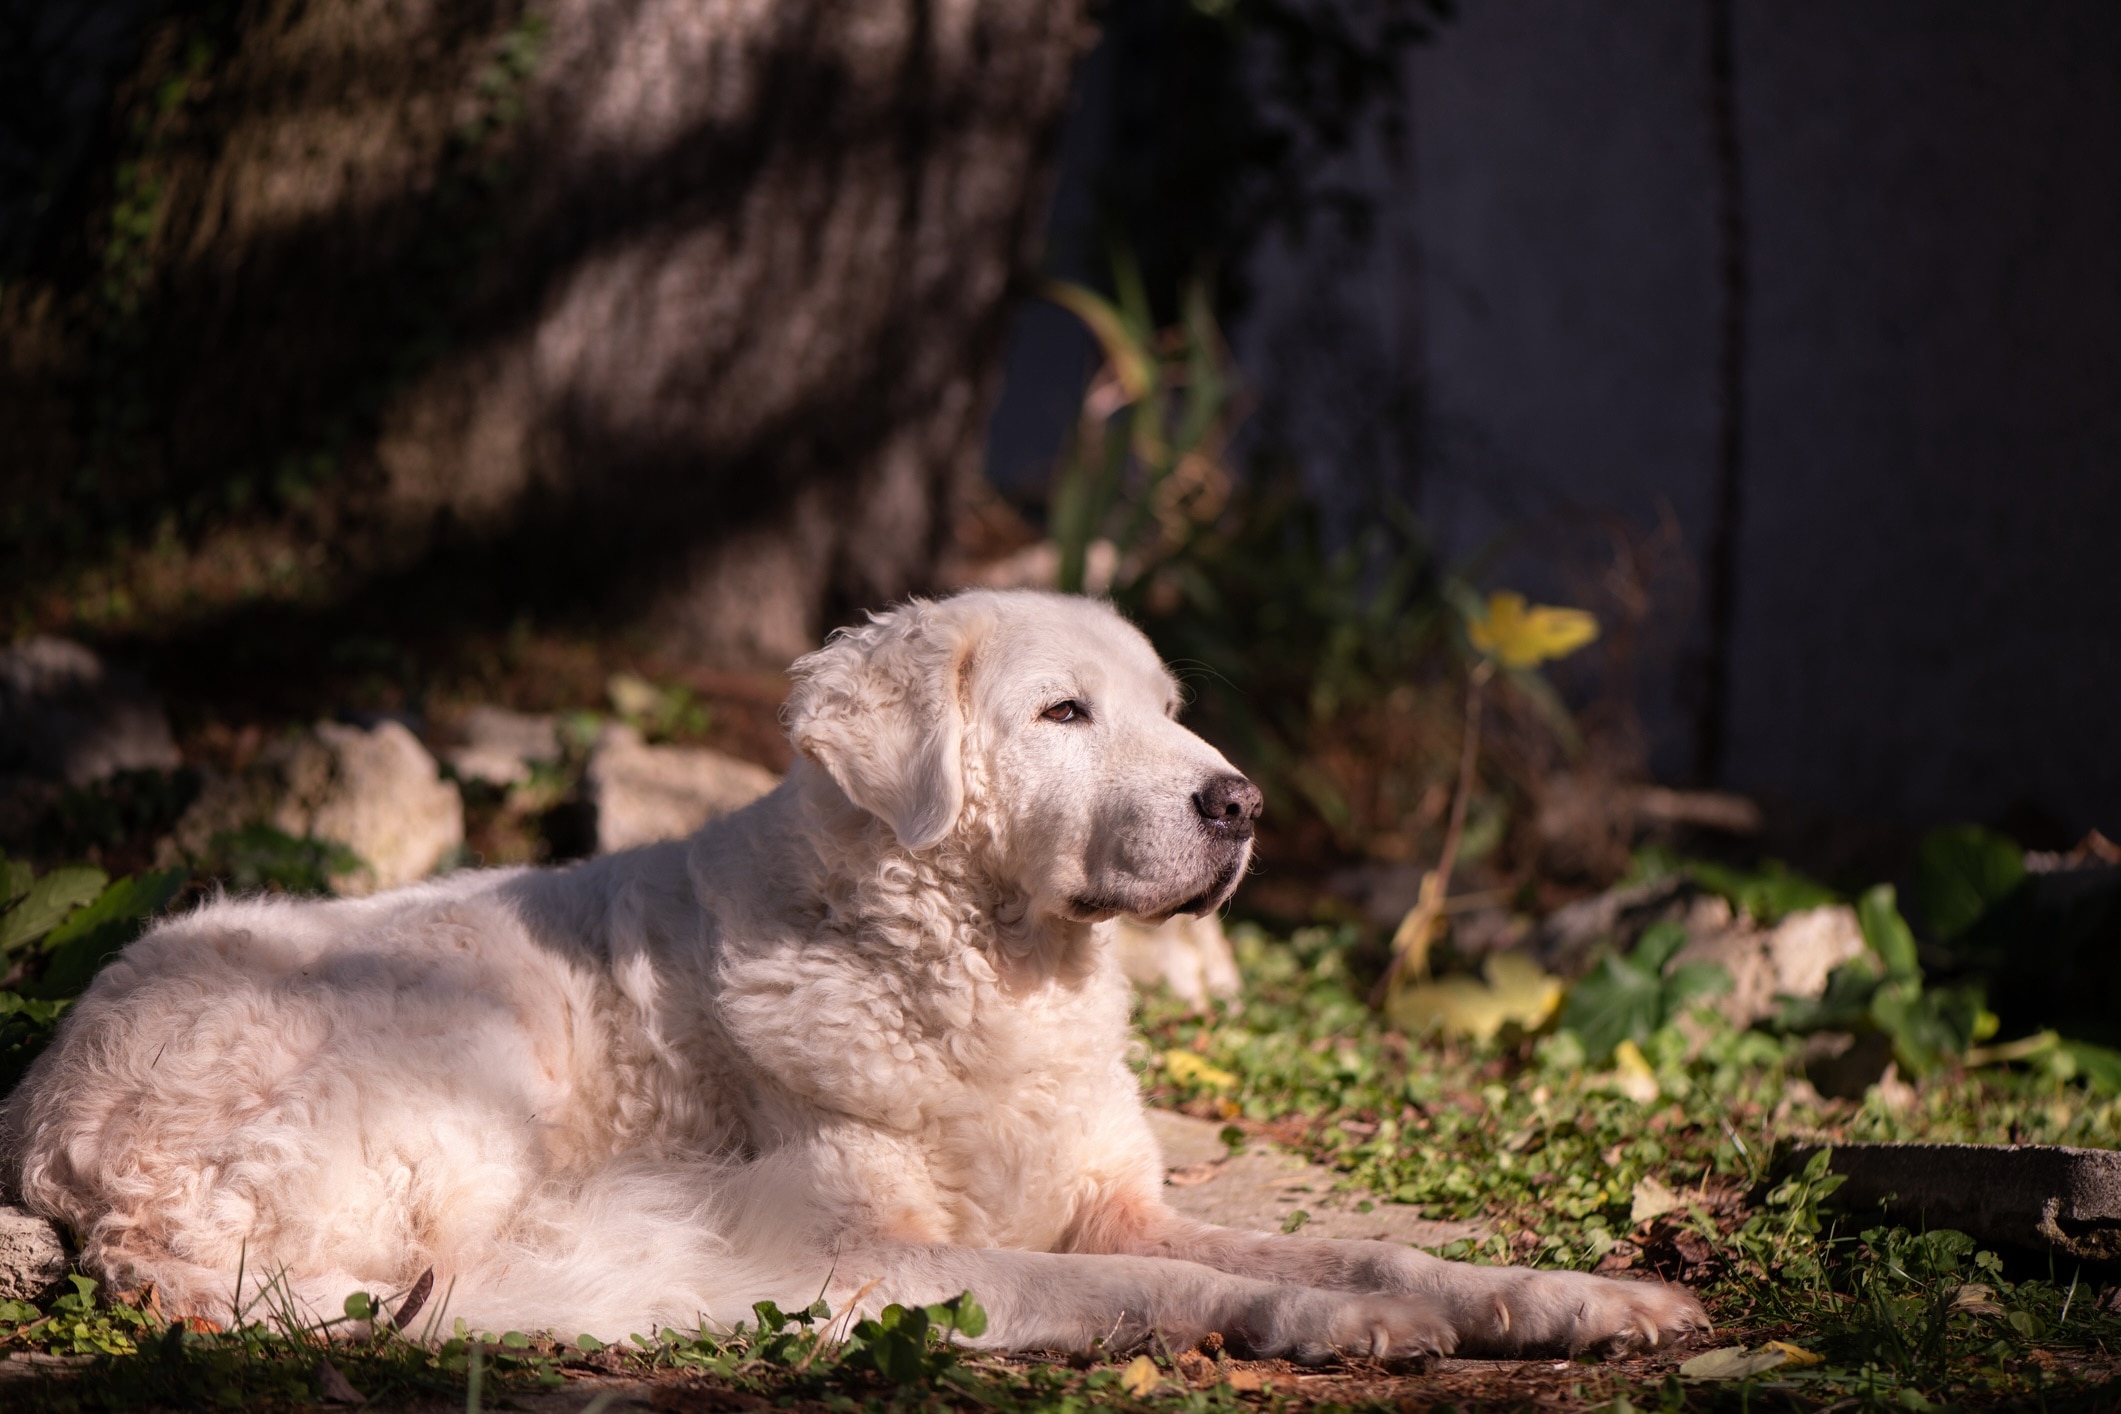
{"points": [[1087, 908]]}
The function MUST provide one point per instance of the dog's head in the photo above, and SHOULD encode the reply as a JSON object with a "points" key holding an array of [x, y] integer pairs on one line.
{"points": [[1042, 724]]}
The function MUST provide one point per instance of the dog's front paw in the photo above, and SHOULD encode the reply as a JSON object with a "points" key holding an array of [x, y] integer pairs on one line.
{"points": [[1628, 1316], [1318, 1327], [1537, 1313], [1622, 1317]]}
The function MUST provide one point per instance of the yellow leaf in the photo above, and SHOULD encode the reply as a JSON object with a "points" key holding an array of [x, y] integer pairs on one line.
{"points": [[1189, 1069], [1794, 1357], [1976, 1300], [1652, 1200], [1516, 990], [1140, 1376], [1524, 636], [1632, 1075], [1733, 1362]]}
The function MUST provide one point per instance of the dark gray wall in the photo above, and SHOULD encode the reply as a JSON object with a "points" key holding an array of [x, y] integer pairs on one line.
{"points": [[1925, 623], [1928, 620]]}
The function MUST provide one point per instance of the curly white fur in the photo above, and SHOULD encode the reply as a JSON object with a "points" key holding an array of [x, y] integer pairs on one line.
{"points": [[862, 1038]]}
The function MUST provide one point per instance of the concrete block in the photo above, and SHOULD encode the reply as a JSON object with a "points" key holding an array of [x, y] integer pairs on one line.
{"points": [[2041, 1196]]}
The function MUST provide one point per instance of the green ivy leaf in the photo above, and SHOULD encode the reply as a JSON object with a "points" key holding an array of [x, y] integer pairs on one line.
{"points": [[1616, 1001], [47, 902], [1658, 945], [91, 934], [15, 878], [1691, 982], [1887, 933], [1768, 893], [1963, 872]]}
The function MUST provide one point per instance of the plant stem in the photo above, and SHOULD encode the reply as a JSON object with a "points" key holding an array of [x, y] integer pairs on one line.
{"points": [[1414, 931], [1468, 756]]}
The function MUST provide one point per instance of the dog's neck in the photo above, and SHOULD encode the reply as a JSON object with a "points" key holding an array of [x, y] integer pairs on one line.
{"points": [[870, 884]]}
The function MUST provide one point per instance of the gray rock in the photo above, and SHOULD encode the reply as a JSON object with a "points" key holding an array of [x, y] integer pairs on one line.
{"points": [[2039, 1196], [500, 746], [643, 794], [66, 715], [1791, 959], [32, 1257], [1261, 1187], [374, 790]]}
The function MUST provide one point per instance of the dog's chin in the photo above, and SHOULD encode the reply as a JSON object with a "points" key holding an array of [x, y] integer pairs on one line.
{"points": [[1203, 901]]}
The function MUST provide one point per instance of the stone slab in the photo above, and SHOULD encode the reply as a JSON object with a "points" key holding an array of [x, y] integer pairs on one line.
{"points": [[2041, 1196], [32, 1257], [1260, 1187]]}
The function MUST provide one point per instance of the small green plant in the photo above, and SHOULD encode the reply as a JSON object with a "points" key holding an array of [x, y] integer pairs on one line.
{"points": [[1146, 473], [1627, 999], [55, 931], [261, 857], [1885, 991], [914, 1345], [657, 713]]}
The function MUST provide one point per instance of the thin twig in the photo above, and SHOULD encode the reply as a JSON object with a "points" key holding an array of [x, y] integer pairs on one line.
{"points": [[1415, 931]]}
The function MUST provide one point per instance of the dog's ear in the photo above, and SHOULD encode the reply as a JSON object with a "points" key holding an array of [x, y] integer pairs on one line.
{"points": [[881, 708]]}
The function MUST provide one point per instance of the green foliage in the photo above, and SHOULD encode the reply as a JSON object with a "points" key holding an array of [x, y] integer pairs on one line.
{"points": [[91, 933], [55, 931], [1767, 894], [1885, 991], [1963, 872], [1628, 999], [259, 857], [1782, 1236], [38, 907], [1535, 1145], [658, 713], [1144, 473], [914, 1345]]}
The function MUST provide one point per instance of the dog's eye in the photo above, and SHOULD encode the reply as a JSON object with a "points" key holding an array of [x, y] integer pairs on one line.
{"points": [[1069, 711]]}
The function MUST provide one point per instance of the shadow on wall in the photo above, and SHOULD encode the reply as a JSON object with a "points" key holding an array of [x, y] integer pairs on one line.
{"points": [[582, 308]]}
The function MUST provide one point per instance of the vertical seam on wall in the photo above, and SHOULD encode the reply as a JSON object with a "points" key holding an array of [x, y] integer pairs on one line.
{"points": [[1712, 722]]}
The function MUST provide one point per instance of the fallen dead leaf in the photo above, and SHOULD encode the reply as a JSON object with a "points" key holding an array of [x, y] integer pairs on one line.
{"points": [[332, 1387], [414, 1299], [1652, 1200]]}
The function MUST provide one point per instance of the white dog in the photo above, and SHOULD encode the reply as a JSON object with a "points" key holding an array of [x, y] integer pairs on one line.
{"points": [[862, 1038]]}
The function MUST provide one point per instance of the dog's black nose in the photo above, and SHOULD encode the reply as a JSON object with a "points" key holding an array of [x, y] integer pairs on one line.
{"points": [[1229, 804]]}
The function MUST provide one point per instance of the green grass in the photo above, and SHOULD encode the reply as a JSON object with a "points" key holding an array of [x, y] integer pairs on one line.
{"points": [[1551, 1155], [1543, 1148]]}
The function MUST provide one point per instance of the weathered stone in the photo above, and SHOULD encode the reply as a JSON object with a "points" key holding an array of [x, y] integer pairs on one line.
{"points": [[1191, 956], [642, 793], [65, 715], [384, 799], [1261, 1187], [1791, 959], [32, 1257], [374, 790], [501, 746], [2041, 1196]]}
